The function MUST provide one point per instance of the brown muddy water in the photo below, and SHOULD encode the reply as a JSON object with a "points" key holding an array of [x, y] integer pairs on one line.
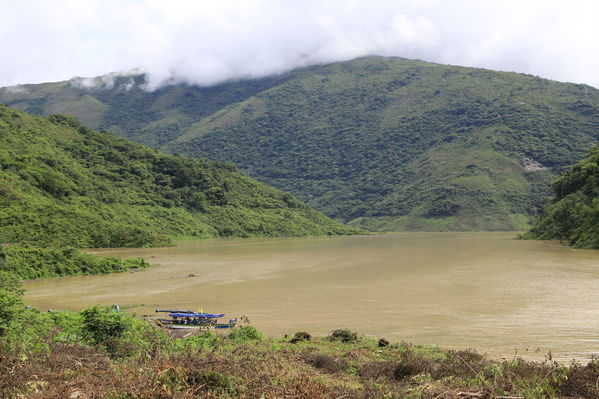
{"points": [[487, 291]]}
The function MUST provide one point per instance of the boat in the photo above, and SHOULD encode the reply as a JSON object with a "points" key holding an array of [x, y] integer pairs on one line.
{"points": [[188, 319]]}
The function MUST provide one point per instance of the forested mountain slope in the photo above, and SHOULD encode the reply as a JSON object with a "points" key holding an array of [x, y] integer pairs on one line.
{"points": [[385, 143], [64, 184], [573, 215]]}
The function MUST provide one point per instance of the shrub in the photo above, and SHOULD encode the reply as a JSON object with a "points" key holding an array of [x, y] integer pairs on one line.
{"points": [[29, 262], [204, 340], [10, 306], [11, 292], [300, 336], [246, 333], [10, 282], [29, 333], [325, 362], [344, 335], [102, 324], [408, 367], [216, 381]]}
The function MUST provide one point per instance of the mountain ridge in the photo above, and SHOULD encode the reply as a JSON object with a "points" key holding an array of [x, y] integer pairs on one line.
{"points": [[383, 143], [63, 184]]}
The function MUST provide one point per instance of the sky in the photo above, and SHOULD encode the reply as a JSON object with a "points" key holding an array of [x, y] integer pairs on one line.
{"points": [[205, 42]]}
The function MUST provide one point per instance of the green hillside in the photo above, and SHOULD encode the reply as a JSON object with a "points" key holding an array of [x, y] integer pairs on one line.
{"points": [[64, 184], [573, 215], [384, 143]]}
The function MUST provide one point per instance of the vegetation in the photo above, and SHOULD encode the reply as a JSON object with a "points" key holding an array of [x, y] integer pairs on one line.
{"points": [[62, 184], [29, 262], [573, 214], [102, 353], [10, 299], [384, 143]]}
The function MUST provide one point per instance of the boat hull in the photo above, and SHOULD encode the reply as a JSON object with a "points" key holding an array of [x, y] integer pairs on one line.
{"points": [[188, 320], [198, 327]]}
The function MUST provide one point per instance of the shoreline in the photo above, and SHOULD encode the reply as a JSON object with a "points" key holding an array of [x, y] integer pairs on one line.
{"points": [[145, 361]]}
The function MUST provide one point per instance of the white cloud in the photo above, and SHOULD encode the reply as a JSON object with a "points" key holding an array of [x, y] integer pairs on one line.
{"points": [[208, 41], [106, 81]]}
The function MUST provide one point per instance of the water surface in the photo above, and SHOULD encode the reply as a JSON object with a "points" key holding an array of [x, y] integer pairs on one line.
{"points": [[504, 297]]}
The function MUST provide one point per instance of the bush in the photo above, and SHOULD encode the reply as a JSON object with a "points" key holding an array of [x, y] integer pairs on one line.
{"points": [[11, 292], [246, 333], [29, 333], [102, 324], [344, 335], [10, 306], [206, 339], [30, 262], [300, 336], [10, 282], [328, 363]]}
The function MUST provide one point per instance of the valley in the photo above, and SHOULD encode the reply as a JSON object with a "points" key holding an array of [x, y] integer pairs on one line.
{"points": [[381, 143]]}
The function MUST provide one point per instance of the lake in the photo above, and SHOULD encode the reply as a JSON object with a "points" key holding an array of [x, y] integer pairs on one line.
{"points": [[488, 291]]}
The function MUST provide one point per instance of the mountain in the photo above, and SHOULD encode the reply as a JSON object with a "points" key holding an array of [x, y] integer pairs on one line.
{"points": [[383, 143], [64, 184], [573, 214]]}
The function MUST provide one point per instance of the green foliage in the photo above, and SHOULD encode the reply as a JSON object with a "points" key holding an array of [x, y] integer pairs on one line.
{"points": [[28, 333], [10, 282], [37, 355], [206, 339], [344, 335], [101, 324], [10, 306], [573, 214], [419, 143], [29, 262], [386, 143], [245, 333], [67, 324], [63, 184], [11, 292]]}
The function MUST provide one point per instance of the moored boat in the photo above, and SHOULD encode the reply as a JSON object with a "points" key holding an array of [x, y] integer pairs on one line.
{"points": [[187, 319]]}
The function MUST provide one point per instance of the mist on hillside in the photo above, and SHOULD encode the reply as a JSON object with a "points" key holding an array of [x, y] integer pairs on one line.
{"points": [[204, 43]]}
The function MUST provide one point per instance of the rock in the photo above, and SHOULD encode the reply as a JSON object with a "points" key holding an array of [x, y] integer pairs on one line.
{"points": [[383, 342]]}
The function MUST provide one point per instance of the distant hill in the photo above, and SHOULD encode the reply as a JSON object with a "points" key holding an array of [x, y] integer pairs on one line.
{"points": [[383, 143], [64, 184], [573, 214]]}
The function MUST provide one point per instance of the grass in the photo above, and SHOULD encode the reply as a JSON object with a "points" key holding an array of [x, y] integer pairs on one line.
{"points": [[105, 353], [276, 368]]}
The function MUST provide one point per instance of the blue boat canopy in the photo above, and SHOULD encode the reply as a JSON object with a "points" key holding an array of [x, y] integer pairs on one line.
{"points": [[202, 315]]}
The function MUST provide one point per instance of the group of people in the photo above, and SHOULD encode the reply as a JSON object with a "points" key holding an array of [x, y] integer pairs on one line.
{"points": [[194, 321]]}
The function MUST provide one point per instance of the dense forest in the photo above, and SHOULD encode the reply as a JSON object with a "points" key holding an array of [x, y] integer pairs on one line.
{"points": [[573, 214], [66, 185], [63, 184], [384, 143]]}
